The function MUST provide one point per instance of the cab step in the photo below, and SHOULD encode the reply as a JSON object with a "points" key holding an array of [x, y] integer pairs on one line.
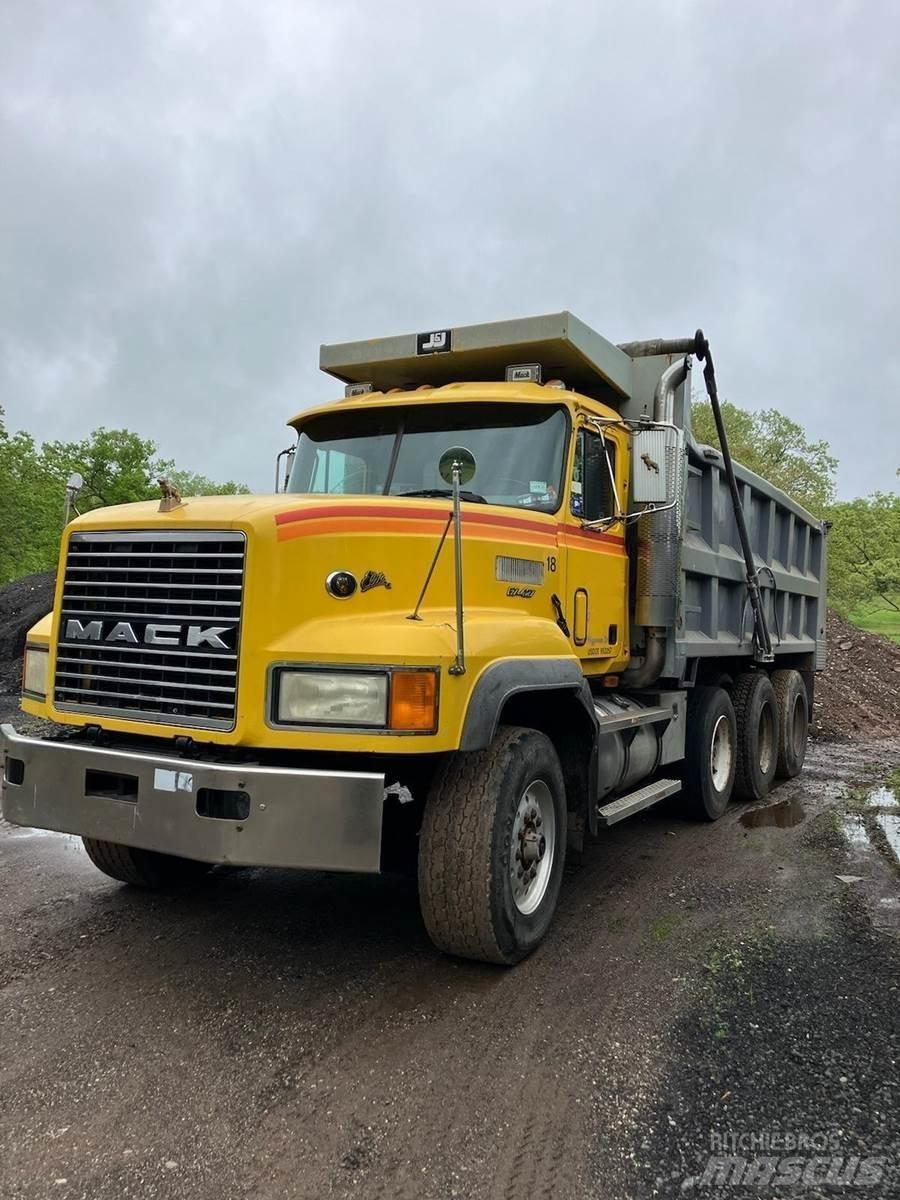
{"points": [[633, 802]]}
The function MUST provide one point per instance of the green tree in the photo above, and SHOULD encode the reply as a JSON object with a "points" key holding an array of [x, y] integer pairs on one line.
{"points": [[189, 483], [117, 466], [776, 448], [864, 553], [32, 511]]}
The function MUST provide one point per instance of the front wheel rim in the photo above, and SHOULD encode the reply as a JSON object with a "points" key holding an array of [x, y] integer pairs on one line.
{"points": [[721, 753], [533, 848]]}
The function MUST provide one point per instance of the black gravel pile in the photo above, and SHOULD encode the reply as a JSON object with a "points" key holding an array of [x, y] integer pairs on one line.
{"points": [[22, 602]]}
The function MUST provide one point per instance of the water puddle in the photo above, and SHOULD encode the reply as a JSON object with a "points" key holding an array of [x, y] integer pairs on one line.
{"points": [[890, 825], [855, 830], [882, 797], [783, 815], [21, 832]]}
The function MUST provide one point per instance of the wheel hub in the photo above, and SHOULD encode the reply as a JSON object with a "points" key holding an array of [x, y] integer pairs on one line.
{"points": [[721, 753], [533, 847]]}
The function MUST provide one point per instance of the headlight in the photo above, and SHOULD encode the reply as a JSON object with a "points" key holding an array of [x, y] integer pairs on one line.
{"points": [[404, 701], [331, 698], [36, 671]]}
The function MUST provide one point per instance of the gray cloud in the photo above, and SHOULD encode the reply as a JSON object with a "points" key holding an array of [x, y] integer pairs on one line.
{"points": [[197, 195]]}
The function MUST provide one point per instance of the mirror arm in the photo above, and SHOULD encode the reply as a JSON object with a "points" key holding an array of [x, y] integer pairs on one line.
{"points": [[288, 453], [612, 478], [458, 667], [625, 518]]}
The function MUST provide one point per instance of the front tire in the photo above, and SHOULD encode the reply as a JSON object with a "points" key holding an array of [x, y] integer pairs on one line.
{"points": [[492, 848], [143, 868]]}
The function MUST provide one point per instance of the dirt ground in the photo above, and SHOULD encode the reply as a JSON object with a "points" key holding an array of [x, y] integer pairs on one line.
{"points": [[279, 1034], [706, 990], [858, 694]]}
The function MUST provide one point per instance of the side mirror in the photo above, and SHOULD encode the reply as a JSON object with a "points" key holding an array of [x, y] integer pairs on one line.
{"points": [[651, 466]]}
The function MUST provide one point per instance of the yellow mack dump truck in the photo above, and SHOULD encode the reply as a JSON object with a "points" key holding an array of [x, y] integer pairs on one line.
{"points": [[504, 600]]}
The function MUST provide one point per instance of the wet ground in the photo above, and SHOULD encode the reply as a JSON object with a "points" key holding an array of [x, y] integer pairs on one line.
{"points": [[278, 1034]]}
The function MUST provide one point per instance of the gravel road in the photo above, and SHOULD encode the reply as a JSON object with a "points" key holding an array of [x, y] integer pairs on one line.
{"points": [[276, 1034]]}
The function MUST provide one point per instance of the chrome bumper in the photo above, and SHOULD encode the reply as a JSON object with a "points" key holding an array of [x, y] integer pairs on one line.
{"points": [[321, 820]]}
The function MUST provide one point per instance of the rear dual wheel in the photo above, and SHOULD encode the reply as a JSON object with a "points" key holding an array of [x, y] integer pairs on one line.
{"points": [[710, 754], [756, 711], [744, 741], [771, 728], [793, 722]]}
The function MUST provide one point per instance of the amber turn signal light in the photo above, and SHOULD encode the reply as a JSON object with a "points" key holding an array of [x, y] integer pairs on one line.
{"points": [[413, 700]]}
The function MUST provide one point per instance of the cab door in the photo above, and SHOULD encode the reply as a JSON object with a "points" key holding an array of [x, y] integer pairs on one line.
{"points": [[596, 560]]}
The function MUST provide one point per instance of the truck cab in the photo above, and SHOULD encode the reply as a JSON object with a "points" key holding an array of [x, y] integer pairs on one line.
{"points": [[496, 608]]}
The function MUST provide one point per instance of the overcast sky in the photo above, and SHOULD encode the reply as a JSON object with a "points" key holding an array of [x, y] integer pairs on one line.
{"points": [[196, 194]]}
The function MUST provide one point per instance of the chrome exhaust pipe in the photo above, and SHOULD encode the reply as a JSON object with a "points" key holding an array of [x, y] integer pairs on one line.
{"points": [[664, 397]]}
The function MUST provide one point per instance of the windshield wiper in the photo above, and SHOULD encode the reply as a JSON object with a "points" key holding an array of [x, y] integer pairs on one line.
{"points": [[435, 493]]}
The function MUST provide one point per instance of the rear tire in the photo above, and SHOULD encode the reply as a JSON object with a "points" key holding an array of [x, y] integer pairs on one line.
{"points": [[709, 753], [792, 703], [143, 868], [756, 712], [492, 848]]}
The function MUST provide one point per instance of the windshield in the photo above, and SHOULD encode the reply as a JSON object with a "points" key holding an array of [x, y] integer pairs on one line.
{"points": [[518, 448]]}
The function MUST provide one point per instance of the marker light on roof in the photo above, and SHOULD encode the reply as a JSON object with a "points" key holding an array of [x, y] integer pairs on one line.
{"points": [[357, 389]]}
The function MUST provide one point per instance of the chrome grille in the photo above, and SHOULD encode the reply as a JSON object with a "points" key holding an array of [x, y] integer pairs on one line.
{"points": [[150, 626]]}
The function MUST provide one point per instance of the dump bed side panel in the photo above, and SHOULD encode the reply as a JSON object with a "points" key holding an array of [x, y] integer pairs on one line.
{"points": [[714, 617]]}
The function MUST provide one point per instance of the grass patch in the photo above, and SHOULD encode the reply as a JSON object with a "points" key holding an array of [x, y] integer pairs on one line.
{"points": [[661, 928], [880, 775], [880, 620]]}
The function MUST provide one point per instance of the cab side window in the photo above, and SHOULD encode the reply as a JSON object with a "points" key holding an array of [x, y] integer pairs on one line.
{"points": [[593, 496]]}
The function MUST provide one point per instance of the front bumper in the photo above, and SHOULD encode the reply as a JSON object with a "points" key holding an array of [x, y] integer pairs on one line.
{"points": [[320, 820]]}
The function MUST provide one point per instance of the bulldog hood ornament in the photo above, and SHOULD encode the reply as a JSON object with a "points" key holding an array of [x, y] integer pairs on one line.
{"points": [[171, 497]]}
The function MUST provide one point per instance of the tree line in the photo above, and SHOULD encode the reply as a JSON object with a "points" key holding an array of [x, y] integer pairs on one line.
{"points": [[864, 539], [119, 466]]}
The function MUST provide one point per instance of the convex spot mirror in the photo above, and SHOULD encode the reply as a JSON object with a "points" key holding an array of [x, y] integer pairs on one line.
{"points": [[466, 461]]}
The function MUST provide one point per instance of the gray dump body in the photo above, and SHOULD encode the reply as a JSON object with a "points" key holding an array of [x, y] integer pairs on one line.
{"points": [[789, 549], [698, 591]]}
